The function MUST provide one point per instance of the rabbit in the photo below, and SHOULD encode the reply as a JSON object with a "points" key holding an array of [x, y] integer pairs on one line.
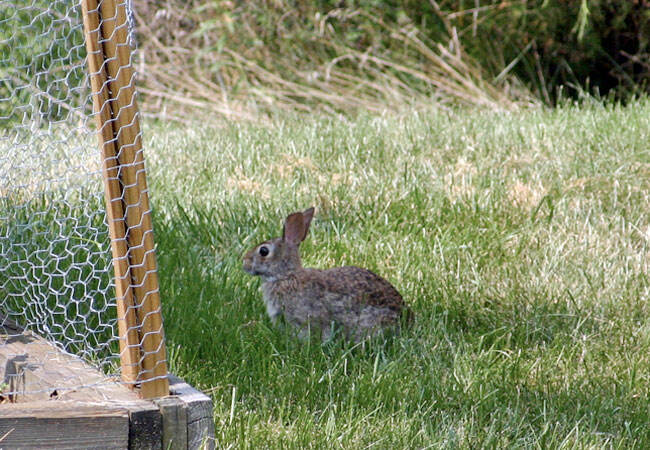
{"points": [[353, 299]]}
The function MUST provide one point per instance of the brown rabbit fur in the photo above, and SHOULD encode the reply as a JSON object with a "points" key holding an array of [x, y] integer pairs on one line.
{"points": [[359, 301]]}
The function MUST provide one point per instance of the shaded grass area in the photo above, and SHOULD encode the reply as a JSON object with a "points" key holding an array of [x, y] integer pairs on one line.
{"points": [[519, 239]]}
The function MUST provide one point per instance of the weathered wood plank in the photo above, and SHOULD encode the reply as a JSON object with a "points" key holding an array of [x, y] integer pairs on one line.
{"points": [[86, 400], [174, 420], [61, 424], [200, 422], [145, 427], [37, 370]]}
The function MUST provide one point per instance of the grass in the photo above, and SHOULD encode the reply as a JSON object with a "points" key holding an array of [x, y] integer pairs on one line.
{"points": [[519, 239]]}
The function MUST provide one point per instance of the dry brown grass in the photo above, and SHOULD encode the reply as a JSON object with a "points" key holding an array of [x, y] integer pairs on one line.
{"points": [[220, 60]]}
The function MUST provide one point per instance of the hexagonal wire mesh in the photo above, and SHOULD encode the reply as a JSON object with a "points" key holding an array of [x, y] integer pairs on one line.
{"points": [[56, 270]]}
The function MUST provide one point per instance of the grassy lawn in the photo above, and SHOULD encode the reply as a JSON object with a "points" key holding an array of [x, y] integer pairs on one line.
{"points": [[521, 241]]}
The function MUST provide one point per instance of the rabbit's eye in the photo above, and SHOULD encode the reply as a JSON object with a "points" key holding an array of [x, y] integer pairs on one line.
{"points": [[264, 250]]}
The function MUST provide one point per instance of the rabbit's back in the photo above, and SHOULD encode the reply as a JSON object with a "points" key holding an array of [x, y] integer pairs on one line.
{"points": [[365, 288], [355, 298]]}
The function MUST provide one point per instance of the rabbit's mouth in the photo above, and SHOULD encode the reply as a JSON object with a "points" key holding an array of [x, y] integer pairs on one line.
{"points": [[248, 268]]}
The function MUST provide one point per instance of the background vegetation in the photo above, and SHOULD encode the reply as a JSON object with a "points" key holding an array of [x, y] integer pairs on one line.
{"points": [[241, 58]]}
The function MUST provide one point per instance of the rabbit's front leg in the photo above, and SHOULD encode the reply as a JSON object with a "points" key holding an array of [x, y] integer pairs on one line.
{"points": [[327, 332], [304, 333], [273, 310]]}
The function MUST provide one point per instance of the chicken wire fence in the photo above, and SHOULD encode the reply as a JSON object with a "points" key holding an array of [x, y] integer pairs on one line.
{"points": [[73, 271]]}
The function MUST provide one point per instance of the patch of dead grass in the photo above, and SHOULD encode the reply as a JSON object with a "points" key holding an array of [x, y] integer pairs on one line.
{"points": [[526, 195]]}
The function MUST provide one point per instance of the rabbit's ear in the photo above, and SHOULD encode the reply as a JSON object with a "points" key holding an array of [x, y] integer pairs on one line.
{"points": [[296, 226], [307, 215]]}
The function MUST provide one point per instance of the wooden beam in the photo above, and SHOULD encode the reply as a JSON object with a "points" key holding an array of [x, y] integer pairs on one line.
{"points": [[174, 423], [126, 317], [145, 427], [200, 420], [127, 198], [121, 79], [61, 424]]}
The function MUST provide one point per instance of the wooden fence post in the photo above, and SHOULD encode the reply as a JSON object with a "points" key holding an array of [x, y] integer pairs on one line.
{"points": [[142, 347]]}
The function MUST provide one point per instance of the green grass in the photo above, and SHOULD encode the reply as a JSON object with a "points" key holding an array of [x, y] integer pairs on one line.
{"points": [[519, 239]]}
